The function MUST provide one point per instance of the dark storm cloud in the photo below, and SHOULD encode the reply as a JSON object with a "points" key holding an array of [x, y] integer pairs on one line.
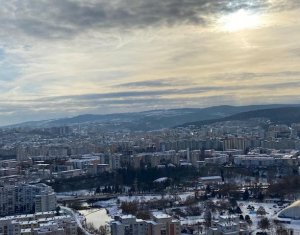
{"points": [[65, 18]]}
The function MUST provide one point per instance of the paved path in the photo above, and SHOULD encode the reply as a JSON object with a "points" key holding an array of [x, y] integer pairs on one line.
{"points": [[77, 219]]}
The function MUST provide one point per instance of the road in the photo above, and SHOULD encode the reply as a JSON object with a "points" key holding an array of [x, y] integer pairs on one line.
{"points": [[77, 219]]}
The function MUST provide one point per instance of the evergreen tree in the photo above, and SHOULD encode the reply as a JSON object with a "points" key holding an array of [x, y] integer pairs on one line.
{"points": [[246, 195], [98, 190], [264, 223]]}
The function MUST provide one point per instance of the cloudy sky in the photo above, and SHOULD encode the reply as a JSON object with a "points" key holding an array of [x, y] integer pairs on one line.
{"points": [[62, 58]]}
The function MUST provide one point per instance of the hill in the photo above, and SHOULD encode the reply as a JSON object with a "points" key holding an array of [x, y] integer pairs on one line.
{"points": [[151, 120], [285, 115]]}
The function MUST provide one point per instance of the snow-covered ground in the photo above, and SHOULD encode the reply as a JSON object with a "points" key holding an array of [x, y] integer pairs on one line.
{"points": [[191, 220], [112, 206], [76, 193], [145, 198], [271, 209], [78, 218]]}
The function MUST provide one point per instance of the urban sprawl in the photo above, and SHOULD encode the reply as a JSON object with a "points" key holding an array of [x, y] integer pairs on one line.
{"points": [[231, 178]]}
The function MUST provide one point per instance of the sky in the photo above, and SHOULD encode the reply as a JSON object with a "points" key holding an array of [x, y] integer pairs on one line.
{"points": [[61, 58]]}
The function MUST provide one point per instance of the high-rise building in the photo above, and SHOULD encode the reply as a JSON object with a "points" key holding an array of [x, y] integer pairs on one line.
{"points": [[26, 198]]}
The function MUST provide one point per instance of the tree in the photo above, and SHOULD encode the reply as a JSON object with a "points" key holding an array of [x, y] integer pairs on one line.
{"points": [[238, 210], [280, 230], [98, 190], [75, 205], [261, 211], [227, 189], [210, 205], [116, 188], [208, 189], [102, 230], [260, 196], [248, 220], [207, 218], [91, 228], [194, 210], [105, 189], [223, 205], [285, 186], [233, 202], [57, 209], [246, 195], [222, 175], [79, 231], [129, 208], [264, 224], [144, 215]]}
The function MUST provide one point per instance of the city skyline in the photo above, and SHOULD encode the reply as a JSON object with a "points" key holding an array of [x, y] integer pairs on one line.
{"points": [[65, 58]]}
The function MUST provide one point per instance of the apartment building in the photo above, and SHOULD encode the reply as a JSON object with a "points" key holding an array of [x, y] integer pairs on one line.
{"points": [[265, 160], [26, 198], [159, 224], [38, 224], [228, 225]]}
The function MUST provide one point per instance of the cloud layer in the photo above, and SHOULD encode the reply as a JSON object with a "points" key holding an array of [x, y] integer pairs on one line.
{"points": [[50, 19], [66, 57]]}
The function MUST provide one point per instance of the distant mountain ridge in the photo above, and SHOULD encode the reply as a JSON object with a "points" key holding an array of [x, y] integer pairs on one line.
{"points": [[279, 115], [154, 119]]}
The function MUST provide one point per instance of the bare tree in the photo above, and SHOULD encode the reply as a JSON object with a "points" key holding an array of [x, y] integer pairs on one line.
{"points": [[207, 218], [102, 230]]}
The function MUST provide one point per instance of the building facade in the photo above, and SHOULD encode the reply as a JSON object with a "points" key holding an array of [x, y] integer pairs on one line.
{"points": [[26, 198], [159, 224]]}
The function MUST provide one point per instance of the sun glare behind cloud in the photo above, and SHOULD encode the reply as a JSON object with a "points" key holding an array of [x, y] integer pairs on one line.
{"points": [[240, 20]]}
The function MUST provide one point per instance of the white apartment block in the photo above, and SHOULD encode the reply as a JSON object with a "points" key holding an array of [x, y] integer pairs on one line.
{"points": [[83, 162], [160, 224], [155, 159], [228, 225], [263, 160], [26, 198], [217, 160], [38, 224], [248, 160]]}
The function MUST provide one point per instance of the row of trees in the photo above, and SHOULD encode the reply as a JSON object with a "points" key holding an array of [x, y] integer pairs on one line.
{"points": [[142, 179], [285, 187], [229, 190]]}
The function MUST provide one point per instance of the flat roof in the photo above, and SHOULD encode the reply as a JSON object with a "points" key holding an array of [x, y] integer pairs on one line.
{"points": [[210, 177]]}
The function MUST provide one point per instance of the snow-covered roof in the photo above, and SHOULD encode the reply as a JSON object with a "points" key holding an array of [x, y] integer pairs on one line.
{"points": [[211, 178], [159, 180], [291, 212], [160, 215]]}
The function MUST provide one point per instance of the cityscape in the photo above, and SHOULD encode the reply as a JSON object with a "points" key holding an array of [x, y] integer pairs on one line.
{"points": [[149, 117], [236, 175]]}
